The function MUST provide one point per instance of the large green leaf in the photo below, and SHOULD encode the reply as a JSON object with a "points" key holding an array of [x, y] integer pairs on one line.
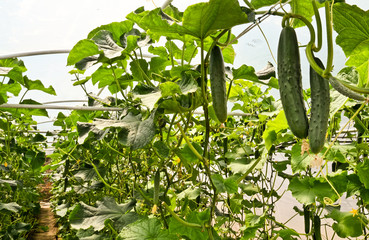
{"points": [[307, 190], [304, 8], [117, 29], [133, 131], [84, 216], [243, 165], [228, 185], [148, 228], [179, 229], [106, 76], [36, 159], [84, 48], [12, 207], [37, 85], [273, 127], [156, 25], [301, 7], [299, 162], [105, 42], [34, 112], [362, 171], [186, 85], [352, 25], [201, 19], [346, 224]]}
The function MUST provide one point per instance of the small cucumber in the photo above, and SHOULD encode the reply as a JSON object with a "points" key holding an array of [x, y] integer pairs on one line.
{"points": [[156, 187], [290, 85], [320, 101], [339, 87], [218, 83], [307, 219]]}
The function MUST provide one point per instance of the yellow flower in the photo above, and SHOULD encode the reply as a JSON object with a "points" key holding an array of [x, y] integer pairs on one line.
{"points": [[154, 208], [177, 160], [5, 164], [354, 212]]}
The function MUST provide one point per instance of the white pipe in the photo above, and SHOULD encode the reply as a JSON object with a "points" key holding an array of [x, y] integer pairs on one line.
{"points": [[166, 3], [44, 52], [35, 106], [34, 53]]}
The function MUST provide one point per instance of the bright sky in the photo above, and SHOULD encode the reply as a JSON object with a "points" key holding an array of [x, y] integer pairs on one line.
{"points": [[29, 25]]}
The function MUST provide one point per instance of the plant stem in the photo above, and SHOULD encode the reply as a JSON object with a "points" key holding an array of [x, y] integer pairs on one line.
{"points": [[329, 65], [183, 222], [318, 26]]}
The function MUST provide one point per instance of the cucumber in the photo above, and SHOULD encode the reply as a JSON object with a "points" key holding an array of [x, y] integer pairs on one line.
{"points": [[320, 101], [156, 187], [218, 83], [317, 235], [339, 87], [290, 85], [307, 219]]}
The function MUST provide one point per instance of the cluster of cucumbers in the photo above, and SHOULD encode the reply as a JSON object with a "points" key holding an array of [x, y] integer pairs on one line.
{"points": [[290, 87]]}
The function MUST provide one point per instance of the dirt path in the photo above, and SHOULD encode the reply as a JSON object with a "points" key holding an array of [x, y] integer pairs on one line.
{"points": [[46, 229]]}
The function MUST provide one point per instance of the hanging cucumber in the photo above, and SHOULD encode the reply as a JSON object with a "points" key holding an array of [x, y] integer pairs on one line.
{"points": [[317, 235], [339, 87], [307, 219], [156, 187], [290, 86], [320, 101], [218, 83]]}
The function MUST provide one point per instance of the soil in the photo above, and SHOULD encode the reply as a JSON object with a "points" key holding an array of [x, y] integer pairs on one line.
{"points": [[46, 228]]}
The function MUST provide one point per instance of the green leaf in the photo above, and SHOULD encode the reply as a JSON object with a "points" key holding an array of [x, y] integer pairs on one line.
{"points": [[36, 159], [362, 171], [243, 165], [139, 68], [106, 76], [12, 207], [351, 24], [346, 224], [133, 131], [307, 190], [148, 228], [158, 64], [37, 85], [162, 149], [160, 51], [14, 88], [299, 162], [169, 89], [105, 42], [179, 229], [84, 48], [304, 8], [84, 216], [245, 72], [186, 155], [117, 29], [201, 19], [34, 112], [273, 127], [228, 185], [286, 234], [262, 3], [190, 193], [156, 25]]}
